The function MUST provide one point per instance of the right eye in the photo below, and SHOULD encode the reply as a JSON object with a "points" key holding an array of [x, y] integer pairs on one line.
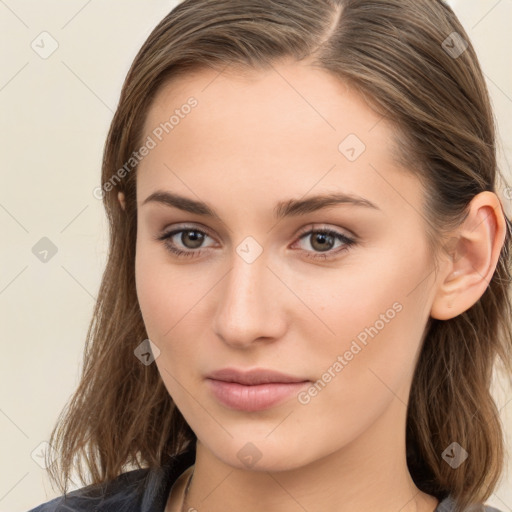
{"points": [[190, 236]]}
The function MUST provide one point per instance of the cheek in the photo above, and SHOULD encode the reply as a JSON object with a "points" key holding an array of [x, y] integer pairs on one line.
{"points": [[162, 294], [360, 375], [173, 301], [165, 297], [376, 314], [150, 293], [369, 292]]}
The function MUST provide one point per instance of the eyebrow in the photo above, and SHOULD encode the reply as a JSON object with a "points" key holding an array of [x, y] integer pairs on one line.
{"points": [[288, 208]]}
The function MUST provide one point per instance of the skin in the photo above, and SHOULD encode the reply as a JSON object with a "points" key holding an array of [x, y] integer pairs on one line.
{"points": [[254, 140]]}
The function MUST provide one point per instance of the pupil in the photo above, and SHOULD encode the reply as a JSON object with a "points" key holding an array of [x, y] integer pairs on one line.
{"points": [[322, 238], [196, 238]]}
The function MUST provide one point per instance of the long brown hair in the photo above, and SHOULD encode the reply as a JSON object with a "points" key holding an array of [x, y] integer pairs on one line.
{"points": [[409, 59]]}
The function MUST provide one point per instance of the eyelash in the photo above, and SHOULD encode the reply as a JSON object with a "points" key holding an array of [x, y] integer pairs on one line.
{"points": [[328, 255]]}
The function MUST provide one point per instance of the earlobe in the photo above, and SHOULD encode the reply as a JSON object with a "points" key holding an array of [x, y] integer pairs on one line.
{"points": [[121, 199], [473, 251]]}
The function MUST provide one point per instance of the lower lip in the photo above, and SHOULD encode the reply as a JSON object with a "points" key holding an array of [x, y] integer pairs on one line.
{"points": [[253, 398]]}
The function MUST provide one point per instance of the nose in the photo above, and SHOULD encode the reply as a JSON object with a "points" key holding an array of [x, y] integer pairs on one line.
{"points": [[251, 303]]}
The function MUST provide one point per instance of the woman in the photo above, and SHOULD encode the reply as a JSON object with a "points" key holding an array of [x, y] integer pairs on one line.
{"points": [[309, 268]]}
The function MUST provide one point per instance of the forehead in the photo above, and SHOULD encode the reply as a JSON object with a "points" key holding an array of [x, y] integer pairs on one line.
{"points": [[288, 125], [301, 92]]}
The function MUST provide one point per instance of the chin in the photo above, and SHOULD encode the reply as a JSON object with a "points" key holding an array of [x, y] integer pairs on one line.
{"points": [[258, 453]]}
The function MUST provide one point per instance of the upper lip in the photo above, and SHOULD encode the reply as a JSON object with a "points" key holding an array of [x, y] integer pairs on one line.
{"points": [[252, 377]]}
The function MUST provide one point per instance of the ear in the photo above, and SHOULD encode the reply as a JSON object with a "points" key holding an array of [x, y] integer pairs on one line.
{"points": [[474, 251], [121, 199]]}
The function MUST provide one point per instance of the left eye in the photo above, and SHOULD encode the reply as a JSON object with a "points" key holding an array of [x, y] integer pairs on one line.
{"points": [[321, 240]]}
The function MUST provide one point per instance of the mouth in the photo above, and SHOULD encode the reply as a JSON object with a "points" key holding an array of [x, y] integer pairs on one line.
{"points": [[253, 390], [255, 376]]}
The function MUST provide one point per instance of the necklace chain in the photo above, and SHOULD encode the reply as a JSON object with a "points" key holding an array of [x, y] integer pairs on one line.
{"points": [[186, 492]]}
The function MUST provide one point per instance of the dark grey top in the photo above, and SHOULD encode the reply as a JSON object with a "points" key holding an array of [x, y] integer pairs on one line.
{"points": [[147, 490]]}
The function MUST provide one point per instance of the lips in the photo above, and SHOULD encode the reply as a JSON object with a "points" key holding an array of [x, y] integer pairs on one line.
{"points": [[254, 377], [253, 390]]}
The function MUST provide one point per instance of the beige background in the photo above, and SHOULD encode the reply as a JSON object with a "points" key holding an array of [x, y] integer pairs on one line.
{"points": [[55, 116]]}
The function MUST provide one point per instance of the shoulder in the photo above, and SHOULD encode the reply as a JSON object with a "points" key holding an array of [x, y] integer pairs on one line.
{"points": [[138, 490], [448, 505], [121, 492]]}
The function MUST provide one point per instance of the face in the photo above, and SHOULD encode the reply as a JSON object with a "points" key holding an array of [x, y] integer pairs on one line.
{"points": [[335, 294]]}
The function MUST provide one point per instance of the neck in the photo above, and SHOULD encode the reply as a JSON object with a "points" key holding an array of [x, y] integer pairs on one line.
{"points": [[368, 473]]}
